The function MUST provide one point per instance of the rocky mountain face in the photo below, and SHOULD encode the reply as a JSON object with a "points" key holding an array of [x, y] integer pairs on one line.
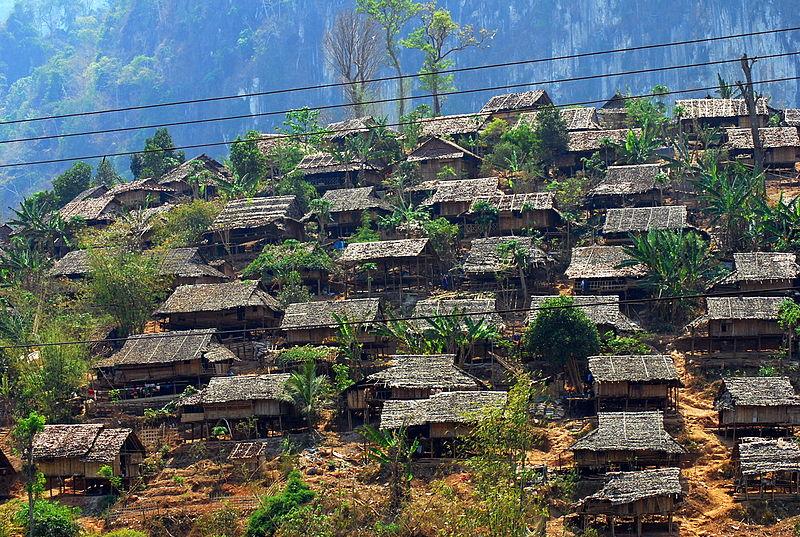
{"points": [[135, 51]]}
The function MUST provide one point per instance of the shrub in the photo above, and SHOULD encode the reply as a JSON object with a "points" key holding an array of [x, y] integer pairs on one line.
{"points": [[185, 224], [50, 519], [275, 509], [125, 533]]}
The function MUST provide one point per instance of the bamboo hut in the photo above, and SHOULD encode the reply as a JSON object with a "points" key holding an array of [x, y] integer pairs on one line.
{"points": [[718, 113], [757, 403], [435, 154], [72, 455], [647, 496], [766, 467], [627, 440], [163, 364], [439, 421], [583, 144], [396, 265], [599, 270], [347, 206], [763, 272], [627, 186], [244, 226], [614, 114], [313, 323], [634, 382], [516, 213], [621, 224], [452, 199], [509, 106], [325, 172], [94, 206], [237, 305], [576, 119], [485, 267], [339, 131], [604, 311], [463, 129], [141, 193], [8, 476], [196, 178], [781, 145], [257, 400]]}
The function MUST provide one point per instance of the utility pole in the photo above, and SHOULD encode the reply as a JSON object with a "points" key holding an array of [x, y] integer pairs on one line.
{"points": [[749, 96]]}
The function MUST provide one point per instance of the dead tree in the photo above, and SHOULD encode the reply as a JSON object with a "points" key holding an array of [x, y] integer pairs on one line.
{"points": [[750, 99]]}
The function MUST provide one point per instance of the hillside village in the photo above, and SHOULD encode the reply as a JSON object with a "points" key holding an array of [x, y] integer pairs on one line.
{"points": [[580, 318]]}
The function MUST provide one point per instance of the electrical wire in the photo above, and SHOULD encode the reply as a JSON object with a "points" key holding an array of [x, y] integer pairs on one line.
{"points": [[404, 77], [215, 332], [389, 99], [335, 131]]}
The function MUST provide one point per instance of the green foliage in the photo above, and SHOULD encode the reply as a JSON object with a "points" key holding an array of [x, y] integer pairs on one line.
{"points": [[393, 450], [50, 519], [71, 183], [276, 260], [265, 520], [517, 150], [106, 174], [55, 380], [789, 316], [293, 184], [292, 289], [219, 431], [493, 133], [412, 125], [128, 533], [38, 223], [443, 237], [307, 391], [485, 215], [551, 132], [185, 224], [107, 472], [614, 345], [126, 285], [365, 232], [159, 156], [222, 522], [342, 377], [307, 521], [648, 113], [767, 371], [249, 166], [305, 353], [303, 125], [724, 89]]}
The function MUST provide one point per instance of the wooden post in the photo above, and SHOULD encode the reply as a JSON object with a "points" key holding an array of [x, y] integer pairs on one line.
{"points": [[669, 524], [611, 523], [638, 525]]}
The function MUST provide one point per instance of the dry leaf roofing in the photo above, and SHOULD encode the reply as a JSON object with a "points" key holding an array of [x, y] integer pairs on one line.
{"points": [[518, 203], [622, 180], [628, 487], [178, 262], [439, 149], [447, 407], [746, 307], [486, 307], [318, 163], [771, 137], [601, 310], [763, 266], [306, 315], [581, 141], [456, 125], [462, 190], [145, 185], [211, 297], [484, 255], [354, 199], [245, 388], [188, 168], [756, 391], [178, 346], [634, 368], [632, 219], [257, 212], [511, 102], [433, 371], [791, 116], [576, 119], [601, 262], [374, 251], [629, 431], [89, 207], [762, 455], [342, 129], [718, 108], [88, 442]]}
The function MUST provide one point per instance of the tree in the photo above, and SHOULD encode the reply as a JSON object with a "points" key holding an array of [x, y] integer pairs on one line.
{"points": [[349, 342], [392, 16], [570, 193], [185, 224], [37, 221], [393, 451], [563, 335], [158, 157], [292, 255], [486, 214], [249, 166], [550, 130], [513, 253], [438, 39], [106, 174], [724, 90], [303, 125], [321, 209], [500, 442], [308, 392], [24, 433], [49, 519], [23, 264], [789, 320], [355, 52], [294, 184], [71, 183]]}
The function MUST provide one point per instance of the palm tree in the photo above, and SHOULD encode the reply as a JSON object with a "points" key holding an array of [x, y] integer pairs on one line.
{"points": [[37, 220], [308, 392], [24, 263], [393, 451], [238, 187], [321, 209]]}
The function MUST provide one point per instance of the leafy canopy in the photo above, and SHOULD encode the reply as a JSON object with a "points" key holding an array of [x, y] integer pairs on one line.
{"points": [[561, 332]]}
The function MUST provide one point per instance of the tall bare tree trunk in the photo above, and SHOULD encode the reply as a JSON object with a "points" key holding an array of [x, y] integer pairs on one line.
{"points": [[748, 93]]}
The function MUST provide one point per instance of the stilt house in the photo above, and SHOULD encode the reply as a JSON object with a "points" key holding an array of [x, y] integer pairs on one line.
{"points": [[620, 224], [757, 402], [463, 129], [485, 266], [452, 199], [604, 311], [583, 144], [195, 178], [766, 466], [781, 145], [765, 272], [141, 193], [314, 323], [94, 206], [576, 119], [394, 265], [325, 172], [602, 270], [614, 114], [634, 382], [718, 113], [517, 212], [627, 186], [509, 106], [435, 154], [347, 205]]}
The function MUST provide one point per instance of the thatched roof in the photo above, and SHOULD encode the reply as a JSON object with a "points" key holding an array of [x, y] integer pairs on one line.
{"points": [[462, 190], [318, 163], [627, 180], [434, 371], [601, 262], [167, 347], [75, 263], [245, 388], [763, 455], [342, 129], [645, 219], [144, 185], [484, 256], [629, 431], [518, 203], [576, 119], [582, 141], [634, 368], [462, 124], [354, 199], [176, 262], [601, 310], [88, 442], [257, 212], [486, 307], [511, 102], [360, 252], [718, 108], [439, 149], [791, 116], [200, 163], [628, 487], [756, 391], [745, 307], [305, 315], [763, 266], [211, 297], [92, 204], [445, 407], [771, 137]]}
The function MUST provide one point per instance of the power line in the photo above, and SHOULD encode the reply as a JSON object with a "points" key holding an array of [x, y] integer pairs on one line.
{"points": [[391, 99], [344, 130], [403, 77], [405, 319]]}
